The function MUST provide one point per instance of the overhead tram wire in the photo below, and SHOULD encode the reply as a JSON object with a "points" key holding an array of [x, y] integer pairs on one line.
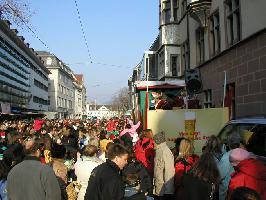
{"points": [[35, 35], [83, 32], [86, 42], [103, 64]]}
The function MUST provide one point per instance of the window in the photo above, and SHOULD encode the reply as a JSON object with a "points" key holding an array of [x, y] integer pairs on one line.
{"points": [[147, 67], [185, 54], [49, 61], [40, 85], [208, 98], [252, 135], [161, 60], [233, 21], [58, 102], [215, 39], [167, 14], [174, 65], [200, 45], [40, 100], [183, 7], [166, 11], [69, 103], [176, 2]]}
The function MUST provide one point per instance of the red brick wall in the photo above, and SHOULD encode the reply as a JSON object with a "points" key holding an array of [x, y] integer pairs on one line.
{"points": [[245, 65]]}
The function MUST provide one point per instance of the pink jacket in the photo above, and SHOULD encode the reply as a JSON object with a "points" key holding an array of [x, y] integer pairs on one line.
{"points": [[132, 131]]}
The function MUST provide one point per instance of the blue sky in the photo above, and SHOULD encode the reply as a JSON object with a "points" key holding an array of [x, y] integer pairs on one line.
{"points": [[118, 32]]}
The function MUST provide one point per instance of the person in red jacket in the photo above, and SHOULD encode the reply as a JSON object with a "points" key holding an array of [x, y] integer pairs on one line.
{"points": [[249, 172], [184, 162], [144, 150]]}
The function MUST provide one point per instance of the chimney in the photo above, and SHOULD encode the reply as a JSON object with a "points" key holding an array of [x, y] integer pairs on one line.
{"points": [[15, 31], [27, 44], [21, 38], [7, 23], [32, 49]]}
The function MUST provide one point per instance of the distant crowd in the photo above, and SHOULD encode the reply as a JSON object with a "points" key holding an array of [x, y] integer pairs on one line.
{"points": [[117, 160]]}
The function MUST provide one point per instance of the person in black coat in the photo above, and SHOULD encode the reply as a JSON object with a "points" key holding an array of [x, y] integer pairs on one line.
{"points": [[202, 181], [106, 181], [136, 167]]}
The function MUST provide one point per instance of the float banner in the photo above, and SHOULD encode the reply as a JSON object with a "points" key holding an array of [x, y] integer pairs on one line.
{"points": [[195, 124]]}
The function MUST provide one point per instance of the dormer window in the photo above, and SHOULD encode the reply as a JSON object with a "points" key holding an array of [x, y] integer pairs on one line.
{"points": [[49, 61]]}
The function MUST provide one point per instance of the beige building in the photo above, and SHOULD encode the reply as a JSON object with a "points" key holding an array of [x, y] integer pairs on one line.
{"points": [[80, 97], [61, 88], [168, 53]]}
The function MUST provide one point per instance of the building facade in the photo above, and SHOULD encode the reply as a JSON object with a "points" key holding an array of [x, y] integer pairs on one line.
{"points": [[24, 78], [169, 45], [80, 97], [226, 41], [61, 87], [101, 111]]}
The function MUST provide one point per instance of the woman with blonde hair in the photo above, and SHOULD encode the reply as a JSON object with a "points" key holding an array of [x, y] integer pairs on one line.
{"points": [[184, 161]]}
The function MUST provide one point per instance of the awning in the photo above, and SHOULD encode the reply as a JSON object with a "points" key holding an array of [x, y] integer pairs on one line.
{"points": [[142, 85]]}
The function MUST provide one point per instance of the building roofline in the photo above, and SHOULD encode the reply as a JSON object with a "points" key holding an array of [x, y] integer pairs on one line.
{"points": [[5, 27]]}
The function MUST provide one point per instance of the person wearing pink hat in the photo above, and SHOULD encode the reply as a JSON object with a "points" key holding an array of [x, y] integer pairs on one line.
{"points": [[249, 172]]}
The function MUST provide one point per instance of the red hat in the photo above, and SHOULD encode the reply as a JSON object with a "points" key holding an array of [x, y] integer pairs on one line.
{"points": [[112, 136]]}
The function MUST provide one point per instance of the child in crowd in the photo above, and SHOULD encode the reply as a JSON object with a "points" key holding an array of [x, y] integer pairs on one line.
{"points": [[132, 190], [244, 193]]}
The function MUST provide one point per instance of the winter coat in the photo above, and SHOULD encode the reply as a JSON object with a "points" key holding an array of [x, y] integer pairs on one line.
{"points": [[164, 170], [196, 189], [36, 181], [105, 183], [132, 194], [83, 169], [145, 153], [110, 126], [145, 179], [183, 166], [226, 169], [3, 190], [250, 173], [38, 124], [60, 170]]}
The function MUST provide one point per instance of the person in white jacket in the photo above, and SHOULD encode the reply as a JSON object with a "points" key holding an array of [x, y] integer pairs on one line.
{"points": [[84, 167]]}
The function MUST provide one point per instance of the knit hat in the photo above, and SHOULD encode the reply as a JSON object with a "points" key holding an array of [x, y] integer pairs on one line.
{"points": [[234, 138], [238, 155], [159, 138]]}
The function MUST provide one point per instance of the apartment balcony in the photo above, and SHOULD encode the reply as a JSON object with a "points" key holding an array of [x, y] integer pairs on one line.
{"points": [[200, 10]]}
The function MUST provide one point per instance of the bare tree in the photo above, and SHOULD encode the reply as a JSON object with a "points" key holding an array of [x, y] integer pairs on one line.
{"points": [[120, 100], [17, 11]]}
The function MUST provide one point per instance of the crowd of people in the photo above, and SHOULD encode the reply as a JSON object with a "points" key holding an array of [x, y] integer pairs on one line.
{"points": [[116, 160]]}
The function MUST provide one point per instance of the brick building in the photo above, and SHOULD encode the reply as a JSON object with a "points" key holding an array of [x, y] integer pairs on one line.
{"points": [[245, 66], [225, 40]]}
